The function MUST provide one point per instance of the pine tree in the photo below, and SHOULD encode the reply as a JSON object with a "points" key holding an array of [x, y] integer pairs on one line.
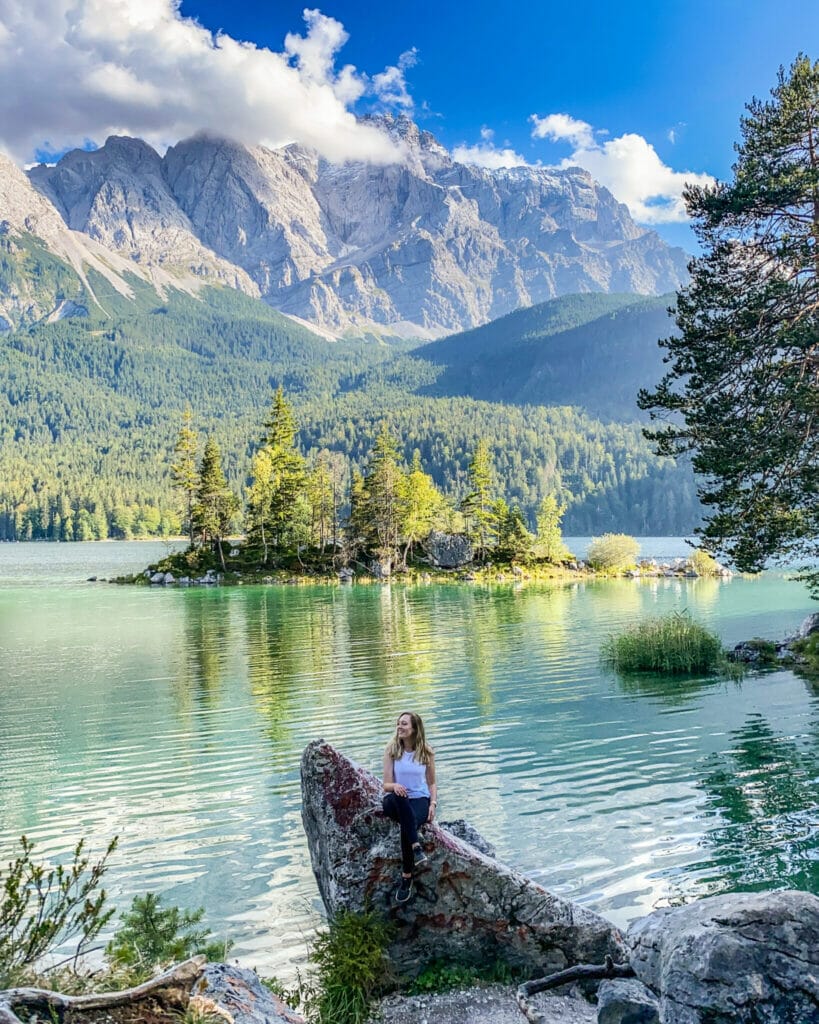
{"points": [[549, 542], [478, 505], [183, 469], [382, 499], [277, 497], [216, 505], [743, 388]]}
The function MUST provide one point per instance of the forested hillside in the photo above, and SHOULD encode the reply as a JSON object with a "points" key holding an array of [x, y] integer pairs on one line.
{"points": [[593, 351], [90, 408]]}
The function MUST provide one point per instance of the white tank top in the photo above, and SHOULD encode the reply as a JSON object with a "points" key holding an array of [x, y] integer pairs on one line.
{"points": [[407, 772]]}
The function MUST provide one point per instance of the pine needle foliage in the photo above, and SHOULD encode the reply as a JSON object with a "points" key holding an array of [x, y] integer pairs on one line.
{"points": [[670, 644], [42, 907], [151, 935]]}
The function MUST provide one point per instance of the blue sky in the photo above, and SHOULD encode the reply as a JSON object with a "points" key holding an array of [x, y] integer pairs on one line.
{"points": [[640, 93]]}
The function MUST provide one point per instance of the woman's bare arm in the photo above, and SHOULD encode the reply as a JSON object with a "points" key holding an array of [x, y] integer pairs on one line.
{"points": [[390, 785], [433, 788]]}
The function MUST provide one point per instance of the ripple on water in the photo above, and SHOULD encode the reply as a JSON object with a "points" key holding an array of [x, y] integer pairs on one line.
{"points": [[176, 720]]}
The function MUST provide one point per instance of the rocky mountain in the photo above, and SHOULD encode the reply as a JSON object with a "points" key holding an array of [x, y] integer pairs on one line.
{"points": [[50, 271], [422, 248]]}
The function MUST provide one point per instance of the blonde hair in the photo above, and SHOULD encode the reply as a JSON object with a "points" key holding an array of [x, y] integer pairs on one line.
{"points": [[423, 752]]}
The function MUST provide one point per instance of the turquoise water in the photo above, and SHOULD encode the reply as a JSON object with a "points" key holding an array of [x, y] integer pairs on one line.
{"points": [[175, 719]]}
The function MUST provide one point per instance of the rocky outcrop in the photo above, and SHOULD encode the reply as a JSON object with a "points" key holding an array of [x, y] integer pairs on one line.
{"points": [[448, 550], [421, 248], [626, 1001], [238, 993], [468, 907], [742, 958]]}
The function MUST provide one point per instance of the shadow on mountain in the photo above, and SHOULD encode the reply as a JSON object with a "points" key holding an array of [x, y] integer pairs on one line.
{"points": [[592, 351]]}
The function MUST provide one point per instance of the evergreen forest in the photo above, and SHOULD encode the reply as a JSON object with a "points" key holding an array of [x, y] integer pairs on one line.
{"points": [[91, 406]]}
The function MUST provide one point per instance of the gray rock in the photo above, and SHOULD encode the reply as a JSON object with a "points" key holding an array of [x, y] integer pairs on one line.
{"points": [[493, 1005], [239, 991], [743, 958], [448, 550], [626, 1001], [468, 834], [157, 578], [468, 907], [808, 628]]}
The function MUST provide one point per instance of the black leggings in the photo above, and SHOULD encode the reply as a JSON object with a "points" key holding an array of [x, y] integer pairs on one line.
{"points": [[410, 813]]}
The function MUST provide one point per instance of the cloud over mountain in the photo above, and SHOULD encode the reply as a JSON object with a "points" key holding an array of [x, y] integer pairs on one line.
{"points": [[629, 166], [75, 70]]}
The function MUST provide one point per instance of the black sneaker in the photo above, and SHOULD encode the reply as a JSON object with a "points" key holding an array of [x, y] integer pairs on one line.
{"points": [[404, 891], [419, 856]]}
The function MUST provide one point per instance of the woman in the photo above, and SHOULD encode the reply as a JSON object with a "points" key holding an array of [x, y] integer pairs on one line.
{"points": [[411, 795]]}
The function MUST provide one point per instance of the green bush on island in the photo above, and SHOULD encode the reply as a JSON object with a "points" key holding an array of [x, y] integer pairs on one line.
{"points": [[613, 552], [807, 655], [673, 644], [703, 564]]}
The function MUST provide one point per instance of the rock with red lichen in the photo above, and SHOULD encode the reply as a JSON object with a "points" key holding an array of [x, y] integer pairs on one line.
{"points": [[467, 906]]}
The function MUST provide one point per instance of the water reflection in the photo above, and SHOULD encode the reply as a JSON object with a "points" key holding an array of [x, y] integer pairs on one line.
{"points": [[764, 791], [179, 723]]}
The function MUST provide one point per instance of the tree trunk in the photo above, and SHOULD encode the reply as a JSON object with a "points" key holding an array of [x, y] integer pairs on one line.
{"points": [[166, 998]]}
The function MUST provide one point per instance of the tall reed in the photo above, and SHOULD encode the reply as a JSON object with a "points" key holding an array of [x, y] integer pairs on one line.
{"points": [[674, 644]]}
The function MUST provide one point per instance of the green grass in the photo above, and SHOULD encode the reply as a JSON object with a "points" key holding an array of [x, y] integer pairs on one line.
{"points": [[672, 644], [441, 976], [351, 968]]}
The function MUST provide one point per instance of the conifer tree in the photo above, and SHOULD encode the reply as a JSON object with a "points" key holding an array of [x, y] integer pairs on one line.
{"points": [[742, 393], [549, 542], [382, 498], [216, 505], [277, 500], [183, 469], [478, 505]]}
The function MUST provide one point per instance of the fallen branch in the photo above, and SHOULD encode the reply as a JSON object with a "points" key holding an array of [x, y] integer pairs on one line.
{"points": [[179, 980], [583, 972]]}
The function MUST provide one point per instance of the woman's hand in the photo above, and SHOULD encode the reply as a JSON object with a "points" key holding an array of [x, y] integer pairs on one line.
{"points": [[399, 790], [431, 815]]}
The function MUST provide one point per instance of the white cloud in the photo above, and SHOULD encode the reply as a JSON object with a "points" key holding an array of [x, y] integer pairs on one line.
{"points": [[390, 85], [488, 155], [78, 69], [562, 128], [628, 166]]}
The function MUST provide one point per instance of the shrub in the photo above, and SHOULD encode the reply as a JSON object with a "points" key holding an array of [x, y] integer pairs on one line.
{"points": [[703, 564], [151, 935], [441, 976], [351, 968], [670, 643], [807, 653], [42, 908], [613, 552]]}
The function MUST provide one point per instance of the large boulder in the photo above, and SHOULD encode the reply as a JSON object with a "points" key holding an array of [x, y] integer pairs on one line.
{"points": [[468, 907], [448, 550], [743, 958]]}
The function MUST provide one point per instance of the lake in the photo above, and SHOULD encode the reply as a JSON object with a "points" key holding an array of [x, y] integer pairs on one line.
{"points": [[175, 719]]}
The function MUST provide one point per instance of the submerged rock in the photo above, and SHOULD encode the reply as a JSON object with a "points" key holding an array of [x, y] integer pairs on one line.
{"points": [[740, 958], [468, 907]]}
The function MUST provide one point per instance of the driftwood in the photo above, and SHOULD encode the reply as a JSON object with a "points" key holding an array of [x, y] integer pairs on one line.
{"points": [[582, 972], [170, 990]]}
